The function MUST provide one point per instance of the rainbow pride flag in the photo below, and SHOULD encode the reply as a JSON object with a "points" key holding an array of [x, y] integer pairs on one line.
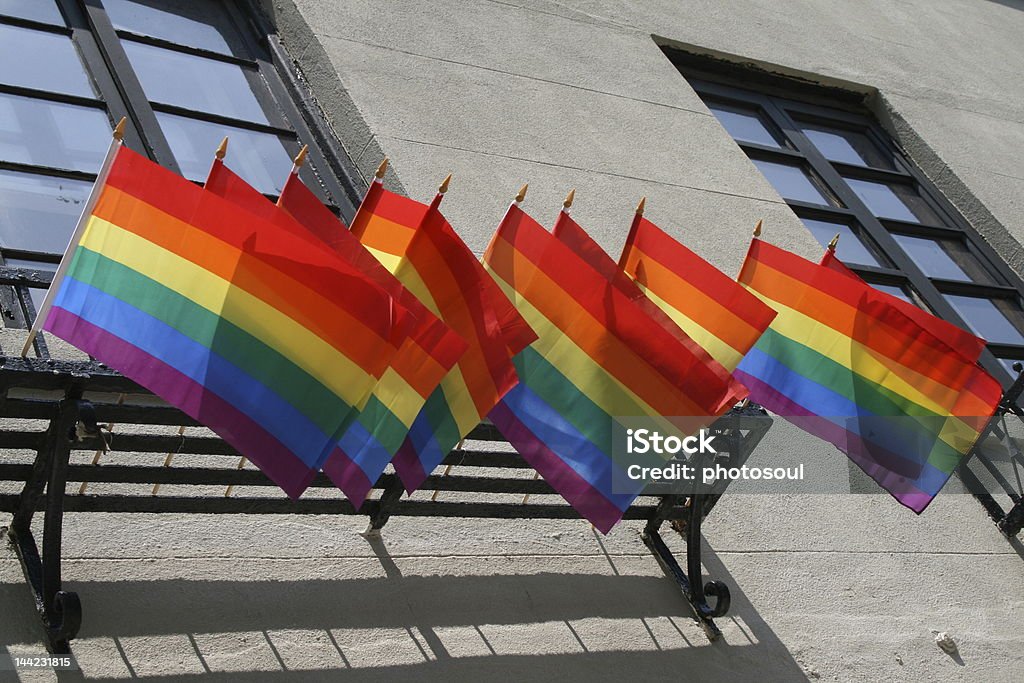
{"points": [[416, 243], [600, 354], [713, 310], [847, 366], [420, 361], [963, 342], [572, 235], [224, 315]]}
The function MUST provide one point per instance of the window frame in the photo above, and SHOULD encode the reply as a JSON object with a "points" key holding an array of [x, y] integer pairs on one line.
{"points": [[786, 111], [293, 116]]}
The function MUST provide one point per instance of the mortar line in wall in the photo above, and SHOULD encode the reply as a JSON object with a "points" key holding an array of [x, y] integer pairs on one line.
{"points": [[597, 555], [982, 169], [516, 75], [596, 20], [935, 100], [935, 7], [585, 170]]}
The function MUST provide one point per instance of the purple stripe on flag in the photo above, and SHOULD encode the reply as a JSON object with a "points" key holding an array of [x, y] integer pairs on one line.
{"points": [[902, 489], [587, 500], [282, 466], [348, 476], [409, 466]]}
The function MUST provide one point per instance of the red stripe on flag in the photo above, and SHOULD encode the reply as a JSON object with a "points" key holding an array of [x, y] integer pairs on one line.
{"points": [[963, 342], [835, 299], [532, 254], [470, 302], [693, 286], [438, 346], [302, 260]]}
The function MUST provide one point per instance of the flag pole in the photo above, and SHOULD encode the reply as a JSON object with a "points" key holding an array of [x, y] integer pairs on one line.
{"points": [[448, 468], [377, 182], [633, 228], [832, 245], [218, 155], [297, 163], [566, 209], [231, 487], [117, 139], [170, 454], [222, 151], [519, 199], [103, 447], [441, 190], [757, 227]]}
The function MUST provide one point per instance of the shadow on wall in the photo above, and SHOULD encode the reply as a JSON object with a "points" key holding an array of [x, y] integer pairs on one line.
{"points": [[580, 627]]}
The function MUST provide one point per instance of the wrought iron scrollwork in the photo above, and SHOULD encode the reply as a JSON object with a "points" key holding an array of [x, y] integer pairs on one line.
{"points": [[66, 616], [60, 610]]}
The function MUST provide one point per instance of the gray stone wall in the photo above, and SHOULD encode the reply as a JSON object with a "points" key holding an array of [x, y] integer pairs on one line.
{"points": [[580, 95]]}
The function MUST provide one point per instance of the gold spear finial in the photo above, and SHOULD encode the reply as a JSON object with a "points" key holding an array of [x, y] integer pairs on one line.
{"points": [[521, 197], [381, 170], [569, 199], [640, 206], [757, 227], [300, 158], [833, 243], [119, 129], [222, 149], [444, 184]]}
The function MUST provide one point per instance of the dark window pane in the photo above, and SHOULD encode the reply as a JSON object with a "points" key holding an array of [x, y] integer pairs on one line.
{"points": [[850, 249], [195, 24], [792, 182], [948, 259], [847, 146], [194, 82], [260, 158], [41, 60], [893, 201], [989, 319], [38, 213], [52, 134], [744, 125], [896, 291], [38, 10]]}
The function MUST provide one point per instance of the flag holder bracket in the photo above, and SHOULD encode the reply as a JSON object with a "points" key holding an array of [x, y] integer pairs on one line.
{"points": [[690, 581], [59, 610], [741, 429], [385, 505], [75, 398], [1009, 522]]}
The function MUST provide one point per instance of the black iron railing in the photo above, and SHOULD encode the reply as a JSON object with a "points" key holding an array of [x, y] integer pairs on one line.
{"points": [[66, 395]]}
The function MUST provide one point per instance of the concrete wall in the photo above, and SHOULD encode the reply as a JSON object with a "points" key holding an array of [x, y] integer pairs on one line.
{"points": [[578, 94]]}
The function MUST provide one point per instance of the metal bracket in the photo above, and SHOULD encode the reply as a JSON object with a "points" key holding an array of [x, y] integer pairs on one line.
{"points": [[381, 512], [690, 582], [60, 610], [1009, 522], [742, 428]]}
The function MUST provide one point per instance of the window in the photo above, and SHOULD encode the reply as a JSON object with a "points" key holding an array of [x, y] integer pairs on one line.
{"points": [[185, 74], [841, 173]]}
